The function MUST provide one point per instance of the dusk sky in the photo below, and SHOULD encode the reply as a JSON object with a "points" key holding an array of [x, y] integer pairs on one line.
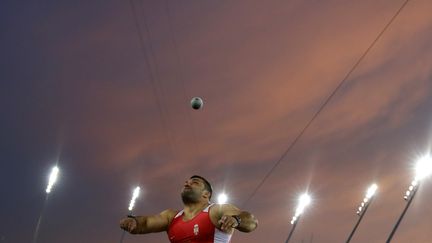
{"points": [[108, 99]]}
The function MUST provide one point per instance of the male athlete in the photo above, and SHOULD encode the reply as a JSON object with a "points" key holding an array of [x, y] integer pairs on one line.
{"points": [[199, 221]]}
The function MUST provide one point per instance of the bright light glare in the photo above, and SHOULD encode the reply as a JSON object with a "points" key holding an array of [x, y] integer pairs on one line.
{"points": [[222, 198], [423, 168], [134, 197], [304, 201], [52, 179], [371, 191], [369, 194]]}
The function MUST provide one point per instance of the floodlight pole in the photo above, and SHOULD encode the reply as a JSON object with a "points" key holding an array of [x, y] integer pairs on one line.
{"points": [[48, 191], [124, 231], [362, 213], [122, 236], [403, 213], [135, 195], [292, 229], [36, 232]]}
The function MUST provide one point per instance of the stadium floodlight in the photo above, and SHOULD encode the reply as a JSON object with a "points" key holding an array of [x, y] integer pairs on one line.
{"points": [[222, 198], [52, 179], [370, 193], [135, 195], [304, 201], [371, 190], [423, 170], [361, 211]]}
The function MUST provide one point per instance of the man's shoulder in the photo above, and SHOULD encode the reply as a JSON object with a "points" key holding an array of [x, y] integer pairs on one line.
{"points": [[217, 210], [222, 207], [169, 213]]}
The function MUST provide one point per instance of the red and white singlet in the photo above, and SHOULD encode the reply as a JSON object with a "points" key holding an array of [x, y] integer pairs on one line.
{"points": [[200, 229]]}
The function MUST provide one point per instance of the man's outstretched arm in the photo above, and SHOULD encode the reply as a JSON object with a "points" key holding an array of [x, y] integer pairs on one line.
{"points": [[148, 224]]}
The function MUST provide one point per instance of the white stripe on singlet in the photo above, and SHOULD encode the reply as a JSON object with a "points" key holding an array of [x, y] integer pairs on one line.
{"points": [[179, 214], [219, 236]]}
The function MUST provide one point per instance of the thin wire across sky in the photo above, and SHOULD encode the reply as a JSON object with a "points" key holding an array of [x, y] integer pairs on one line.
{"points": [[323, 105]]}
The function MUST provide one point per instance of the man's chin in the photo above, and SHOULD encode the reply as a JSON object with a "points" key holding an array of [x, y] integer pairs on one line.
{"points": [[187, 199]]}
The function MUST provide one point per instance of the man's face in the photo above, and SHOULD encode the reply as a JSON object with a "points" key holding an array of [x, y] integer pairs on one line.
{"points": [[193, 190]]}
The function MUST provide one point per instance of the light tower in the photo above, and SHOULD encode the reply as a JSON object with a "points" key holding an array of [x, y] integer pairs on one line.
{"points": [[52, 179], [423, 170], [361, 211], [135, 195], [304, 201]]}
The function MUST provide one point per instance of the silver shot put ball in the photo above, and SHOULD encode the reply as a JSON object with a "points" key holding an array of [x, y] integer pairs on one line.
{"points": [[197, 103]]}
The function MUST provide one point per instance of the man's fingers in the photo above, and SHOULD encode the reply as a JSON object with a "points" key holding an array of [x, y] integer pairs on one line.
{"points": [[123, 224], [224, 218], [132, 225], [128, 224], [227, 223], [223, 222]]}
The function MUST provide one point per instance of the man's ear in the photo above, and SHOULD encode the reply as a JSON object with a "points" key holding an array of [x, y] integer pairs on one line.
{"points": [[206, 194]]}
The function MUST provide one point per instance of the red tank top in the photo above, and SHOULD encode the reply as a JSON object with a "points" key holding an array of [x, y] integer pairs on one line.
{"points": [[200, 229]]}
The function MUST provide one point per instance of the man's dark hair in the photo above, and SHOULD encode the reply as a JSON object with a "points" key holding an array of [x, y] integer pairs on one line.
{"points": [[207, 184]]}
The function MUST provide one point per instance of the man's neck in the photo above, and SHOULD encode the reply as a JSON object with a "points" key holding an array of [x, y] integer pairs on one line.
{"points": [[193, 209]]}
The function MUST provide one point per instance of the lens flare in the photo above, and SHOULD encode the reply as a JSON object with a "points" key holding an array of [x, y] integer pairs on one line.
{"points": [[135, 195], [52, 179], [222, 198]]}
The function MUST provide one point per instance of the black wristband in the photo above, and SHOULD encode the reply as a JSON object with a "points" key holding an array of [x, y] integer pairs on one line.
{"points": [[238, 219]]}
